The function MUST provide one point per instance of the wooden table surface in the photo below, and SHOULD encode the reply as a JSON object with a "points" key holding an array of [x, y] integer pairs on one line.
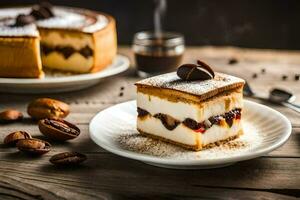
{"points": [[108, 176]]}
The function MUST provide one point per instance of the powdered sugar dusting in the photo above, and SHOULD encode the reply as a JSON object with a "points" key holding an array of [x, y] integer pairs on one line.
{"points": [[13, 12], [7, 19], [221, 82], [133, 141], [28, 30], [101, 22], [65, 18], [69, 18]]}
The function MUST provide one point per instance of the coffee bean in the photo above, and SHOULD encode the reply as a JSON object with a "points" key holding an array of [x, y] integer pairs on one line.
{"points": [[190, 72], [23, 20], [48, 108], [33, 146], [284, 77], [184, 71], [10, 115], [58, 129], [263, 71], [254, 75], [121, 94], [68, 159], [36, 13], [205, 66], [42, 11], [232, 61], [12, 138], [297, 77], [47, 5]]}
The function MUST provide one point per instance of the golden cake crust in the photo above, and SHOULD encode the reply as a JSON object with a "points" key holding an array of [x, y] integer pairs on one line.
{"points": [[105, 41], [24, 52]]}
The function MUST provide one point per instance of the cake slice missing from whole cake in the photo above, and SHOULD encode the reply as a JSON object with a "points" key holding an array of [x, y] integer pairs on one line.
{"points": [[195, 114]]}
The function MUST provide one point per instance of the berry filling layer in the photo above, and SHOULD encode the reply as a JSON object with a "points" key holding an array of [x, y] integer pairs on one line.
{"points": [[171, 123]]}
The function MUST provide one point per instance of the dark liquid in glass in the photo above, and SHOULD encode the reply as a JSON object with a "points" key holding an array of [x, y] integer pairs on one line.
{"points": [[157, 63]]}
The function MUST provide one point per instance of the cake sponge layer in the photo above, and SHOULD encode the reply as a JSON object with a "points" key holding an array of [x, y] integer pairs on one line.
{"points": [[75, 63]]}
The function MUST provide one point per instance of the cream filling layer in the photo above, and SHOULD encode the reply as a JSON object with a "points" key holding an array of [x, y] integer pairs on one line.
{"points": [[185, 135], [182, 110], [75, 63]]}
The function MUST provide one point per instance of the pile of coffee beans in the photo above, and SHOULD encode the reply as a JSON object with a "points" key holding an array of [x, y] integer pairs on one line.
{"points": [[50, 114]]}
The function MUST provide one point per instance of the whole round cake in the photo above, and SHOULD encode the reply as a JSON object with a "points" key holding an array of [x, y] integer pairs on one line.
{"points": [[61, 38]]}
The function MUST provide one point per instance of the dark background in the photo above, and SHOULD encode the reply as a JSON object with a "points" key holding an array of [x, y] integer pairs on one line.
{"points": [[245, 23]]}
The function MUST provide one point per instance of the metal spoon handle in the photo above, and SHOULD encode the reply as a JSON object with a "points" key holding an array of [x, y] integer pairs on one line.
{"points": [[292, 106], [296, 105]]}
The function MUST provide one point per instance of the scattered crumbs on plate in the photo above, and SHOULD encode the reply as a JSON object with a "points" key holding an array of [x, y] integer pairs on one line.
{"points": [[233, 61], [284, 77], [133, 141], [254, 75]]}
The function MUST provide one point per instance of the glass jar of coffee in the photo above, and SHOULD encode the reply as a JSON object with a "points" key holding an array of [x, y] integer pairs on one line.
{"points": [[157, 54]]}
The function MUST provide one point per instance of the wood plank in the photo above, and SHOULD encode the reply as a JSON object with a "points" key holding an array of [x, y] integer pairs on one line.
{"points": [[110, 172], [16, 188]]}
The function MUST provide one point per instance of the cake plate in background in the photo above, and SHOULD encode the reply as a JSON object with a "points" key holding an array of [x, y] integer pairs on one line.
{"points": [[62, 82]]}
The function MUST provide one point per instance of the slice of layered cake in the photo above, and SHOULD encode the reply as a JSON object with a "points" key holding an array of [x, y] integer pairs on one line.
{"points": [[195, 108]]}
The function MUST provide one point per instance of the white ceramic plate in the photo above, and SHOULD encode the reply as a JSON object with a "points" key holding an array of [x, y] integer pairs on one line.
{"points": [[114, 130], [62, 82]]}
